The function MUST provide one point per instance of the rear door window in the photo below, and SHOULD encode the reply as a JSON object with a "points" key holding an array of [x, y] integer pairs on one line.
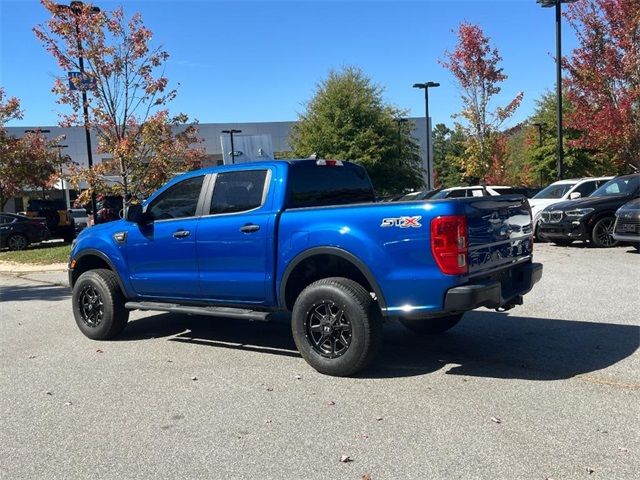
{"points": [[585, 189], [238, 191]]}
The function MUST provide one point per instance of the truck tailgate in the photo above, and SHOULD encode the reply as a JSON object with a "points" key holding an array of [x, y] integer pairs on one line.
{"points": [[500, 232]]}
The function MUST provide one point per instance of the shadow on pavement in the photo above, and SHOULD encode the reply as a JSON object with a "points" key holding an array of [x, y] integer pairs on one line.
{"points": [[484, 344], [44, 292]]}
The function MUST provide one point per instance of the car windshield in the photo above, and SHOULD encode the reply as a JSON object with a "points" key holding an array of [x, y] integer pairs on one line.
{"points": [[555, 190], [618, 186]]}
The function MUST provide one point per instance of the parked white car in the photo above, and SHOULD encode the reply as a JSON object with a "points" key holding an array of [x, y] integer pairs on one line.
{"points": [[474, 191], [562, 190]]}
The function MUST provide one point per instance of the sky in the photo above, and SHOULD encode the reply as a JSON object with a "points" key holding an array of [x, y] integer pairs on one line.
{"points": [[260, 61]]}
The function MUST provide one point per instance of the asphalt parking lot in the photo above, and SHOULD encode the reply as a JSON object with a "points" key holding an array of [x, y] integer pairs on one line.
{"points": [[550, 389]]}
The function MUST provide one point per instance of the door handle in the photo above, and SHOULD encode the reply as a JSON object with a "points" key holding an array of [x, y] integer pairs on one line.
{"points": [[181, 233], [250, 228]]}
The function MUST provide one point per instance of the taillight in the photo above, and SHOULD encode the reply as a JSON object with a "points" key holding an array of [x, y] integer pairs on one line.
{"points": [[449, 244]]}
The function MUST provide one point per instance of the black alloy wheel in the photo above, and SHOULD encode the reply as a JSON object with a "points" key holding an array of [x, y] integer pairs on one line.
{"points": [[328, 329], [91, 306], [602, 234]]}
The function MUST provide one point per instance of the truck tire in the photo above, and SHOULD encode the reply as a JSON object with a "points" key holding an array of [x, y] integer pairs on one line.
{"points": [[337, 326], [602, 233], [431, 326], [98, 305]]}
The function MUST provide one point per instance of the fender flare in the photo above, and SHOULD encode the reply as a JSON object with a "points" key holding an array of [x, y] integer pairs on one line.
{"points": [[97, 253], [338, 252]]}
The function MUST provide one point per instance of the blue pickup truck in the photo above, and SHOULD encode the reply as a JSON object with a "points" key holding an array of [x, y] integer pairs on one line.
{"points": [[305, 236]]}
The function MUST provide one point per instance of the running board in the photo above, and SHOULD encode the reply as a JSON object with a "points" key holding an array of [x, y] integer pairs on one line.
{"points": [[222, 312]]}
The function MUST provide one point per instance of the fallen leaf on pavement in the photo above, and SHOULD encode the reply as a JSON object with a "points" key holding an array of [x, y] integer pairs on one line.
{"points": [[194, 378], [378, 419], [496, 420], [99, 351], [269, 389], [48, 393], [366, 476], [298, 377], [345, 459], [68, 403], [32, 356], [331, 402], [590, 470]]}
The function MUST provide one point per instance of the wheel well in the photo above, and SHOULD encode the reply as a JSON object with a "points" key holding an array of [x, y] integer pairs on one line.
{"points": [[86, 263], [317, 267]]}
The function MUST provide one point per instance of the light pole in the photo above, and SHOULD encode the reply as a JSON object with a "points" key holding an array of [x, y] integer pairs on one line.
{"points": [[559, 148], [76, 8], [426, 86], [400, 121], [233, 150]]}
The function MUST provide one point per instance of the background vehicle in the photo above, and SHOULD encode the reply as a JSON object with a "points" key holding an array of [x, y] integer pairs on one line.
{"points": [[627, 226], [59, 221], [80, 218], [17, 232], [589, 219], [562, 190], [245, 240]]}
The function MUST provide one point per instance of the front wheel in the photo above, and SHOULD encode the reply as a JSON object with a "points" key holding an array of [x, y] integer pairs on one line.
{"points": [[431, 326], [602, 233], [337, 326], [98, 305]]}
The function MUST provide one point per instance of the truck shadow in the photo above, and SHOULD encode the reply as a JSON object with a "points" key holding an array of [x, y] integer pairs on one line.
{"points": [[484, 344]]}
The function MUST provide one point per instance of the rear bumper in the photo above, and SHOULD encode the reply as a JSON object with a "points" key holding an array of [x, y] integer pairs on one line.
{"points": [[493, 293]]}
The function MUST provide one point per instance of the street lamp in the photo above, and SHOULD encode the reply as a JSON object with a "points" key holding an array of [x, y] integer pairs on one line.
{"points": [[558, 5], [233, 151], [76, 8], [426, 86], [400, 121]]}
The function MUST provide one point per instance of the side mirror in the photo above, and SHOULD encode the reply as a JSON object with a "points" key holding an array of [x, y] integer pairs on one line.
{"points": [[134, 213], [575, 195]]}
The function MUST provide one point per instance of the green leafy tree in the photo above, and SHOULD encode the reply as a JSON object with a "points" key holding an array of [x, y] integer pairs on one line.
{"points": [[578, 161], [448, 148], [347, 119]]}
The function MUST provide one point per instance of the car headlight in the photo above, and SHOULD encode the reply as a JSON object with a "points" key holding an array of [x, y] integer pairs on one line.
{"points": [[579, 212]]}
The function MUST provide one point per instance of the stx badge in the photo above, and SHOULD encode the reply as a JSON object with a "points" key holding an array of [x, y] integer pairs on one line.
{"points": [[402, 222]]}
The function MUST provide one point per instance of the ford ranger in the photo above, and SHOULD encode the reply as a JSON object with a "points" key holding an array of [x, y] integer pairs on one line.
{"points": [[306, 236]]}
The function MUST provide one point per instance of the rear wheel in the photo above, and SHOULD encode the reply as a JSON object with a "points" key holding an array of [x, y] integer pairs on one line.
{"points": [[431, 326], [98, 305], [602, 233], [17, 241], [336, 326]]}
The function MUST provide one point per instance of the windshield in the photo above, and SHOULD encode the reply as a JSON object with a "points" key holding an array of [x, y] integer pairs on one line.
{"points": [[618, 186], [555, 190]]}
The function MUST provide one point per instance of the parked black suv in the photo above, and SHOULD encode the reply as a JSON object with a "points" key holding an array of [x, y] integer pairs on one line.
{"points": [[589, 219]]}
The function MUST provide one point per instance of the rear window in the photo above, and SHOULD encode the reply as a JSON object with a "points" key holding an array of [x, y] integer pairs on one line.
{"points": [[311, 185]]}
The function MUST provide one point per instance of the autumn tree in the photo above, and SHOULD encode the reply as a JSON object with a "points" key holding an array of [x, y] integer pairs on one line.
{"points": [[128, 94], [475, 65], [348, 119], [26, 162], [604, 79]]}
